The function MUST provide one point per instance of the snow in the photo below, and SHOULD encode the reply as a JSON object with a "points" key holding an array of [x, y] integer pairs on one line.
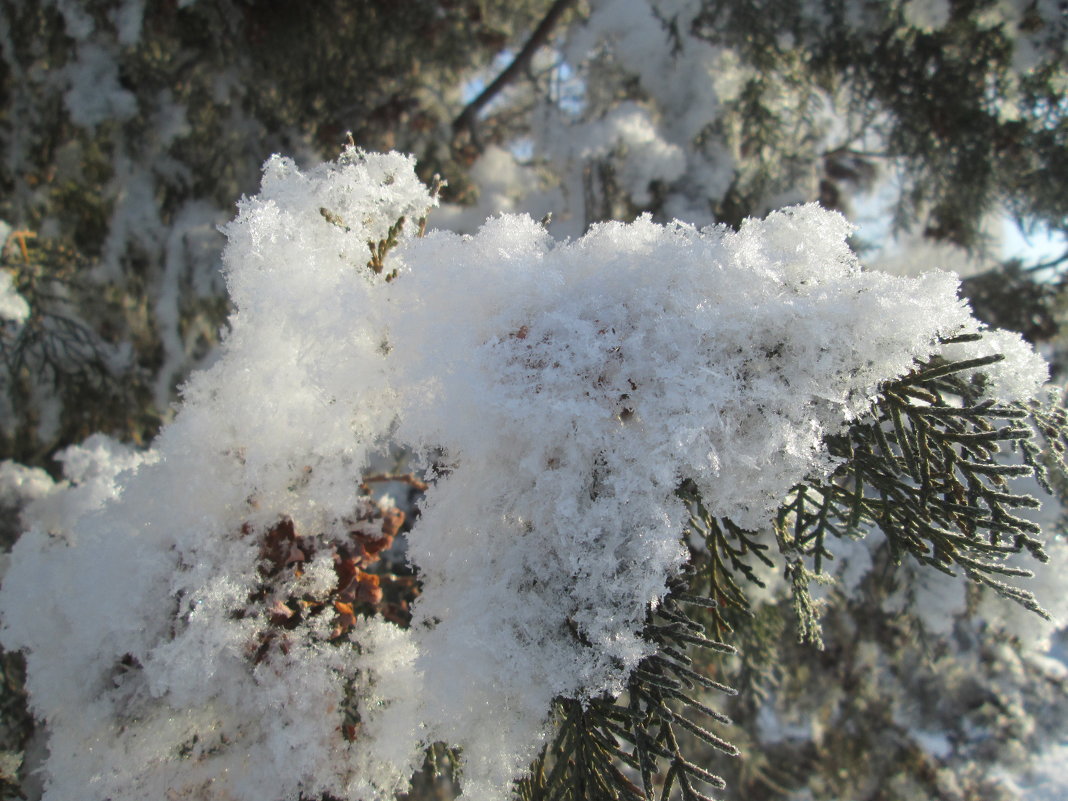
{"points": [[1045, 780], [558, 392], [13, 307], [935, 598], [927, 15], [96, 93], [20, 484], [139, 564]]}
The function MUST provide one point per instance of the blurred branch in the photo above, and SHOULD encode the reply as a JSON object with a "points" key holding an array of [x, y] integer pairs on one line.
{"points": [[466, 119], [1047, 265]]}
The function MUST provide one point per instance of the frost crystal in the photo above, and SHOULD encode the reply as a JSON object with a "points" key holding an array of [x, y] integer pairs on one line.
{"points": [[561, 393]]}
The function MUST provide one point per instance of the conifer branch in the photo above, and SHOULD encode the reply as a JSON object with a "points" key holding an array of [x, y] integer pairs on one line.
{"points": [[727, 549], [598, 741], [927, 466]]}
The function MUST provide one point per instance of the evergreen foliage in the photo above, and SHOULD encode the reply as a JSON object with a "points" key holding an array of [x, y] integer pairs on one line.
{"points": [[924, 469], [858, 625], [57, 359], [925, 472], [596, 742], [974, 119], [130, 130]]}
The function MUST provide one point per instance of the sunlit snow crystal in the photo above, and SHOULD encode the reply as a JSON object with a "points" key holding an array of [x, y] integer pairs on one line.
{"points": [[574, 386], [568, 388]]}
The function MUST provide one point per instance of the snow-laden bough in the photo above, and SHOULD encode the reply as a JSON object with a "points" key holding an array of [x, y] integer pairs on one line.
{"points": [[558, 392]]}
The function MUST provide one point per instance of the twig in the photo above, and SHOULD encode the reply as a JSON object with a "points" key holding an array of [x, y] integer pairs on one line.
{"points": [[1047, 265], [21, 236], [523, 57]]}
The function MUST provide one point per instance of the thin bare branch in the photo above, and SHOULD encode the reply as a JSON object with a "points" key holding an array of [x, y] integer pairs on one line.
{"points": [[467, 117]]}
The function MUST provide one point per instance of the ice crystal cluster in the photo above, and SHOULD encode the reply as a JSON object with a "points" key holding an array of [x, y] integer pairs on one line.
{"points": [[557, 392]]}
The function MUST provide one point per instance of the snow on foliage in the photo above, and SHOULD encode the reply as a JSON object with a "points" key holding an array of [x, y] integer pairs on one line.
{"points": [[659, 105], [558, 394], [13, 307]]}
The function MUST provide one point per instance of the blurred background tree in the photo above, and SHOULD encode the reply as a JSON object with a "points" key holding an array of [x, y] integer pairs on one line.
{"points": [[130, 129], [129, 132]]}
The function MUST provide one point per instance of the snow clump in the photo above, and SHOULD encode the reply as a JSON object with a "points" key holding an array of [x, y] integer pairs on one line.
{"points": [[558, 393]]}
